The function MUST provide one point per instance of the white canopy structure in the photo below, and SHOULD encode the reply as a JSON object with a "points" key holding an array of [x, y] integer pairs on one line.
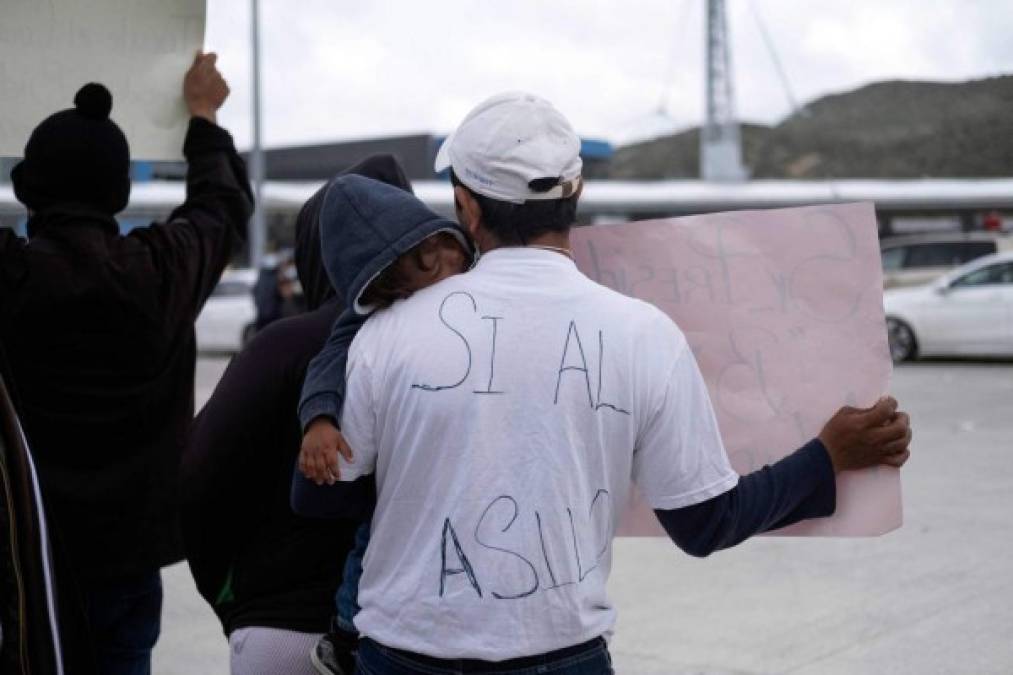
{"points": [[649, 198]]}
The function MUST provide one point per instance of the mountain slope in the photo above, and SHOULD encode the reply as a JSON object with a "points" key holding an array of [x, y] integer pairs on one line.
{"points": [[896, 129]]}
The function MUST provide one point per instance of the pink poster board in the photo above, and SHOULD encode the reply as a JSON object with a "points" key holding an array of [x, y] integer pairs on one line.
{"points": [[784, 312]]}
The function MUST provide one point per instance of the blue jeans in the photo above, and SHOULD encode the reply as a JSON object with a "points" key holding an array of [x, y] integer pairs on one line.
{"points": [[590, 658], [347, 597], [125, 618]]}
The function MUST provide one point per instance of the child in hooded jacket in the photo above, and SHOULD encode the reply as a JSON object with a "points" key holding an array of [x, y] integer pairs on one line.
{"points": [[379, 245]]}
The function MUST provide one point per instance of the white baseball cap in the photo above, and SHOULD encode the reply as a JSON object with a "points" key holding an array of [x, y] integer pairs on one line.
{"points": [[507, 142]]}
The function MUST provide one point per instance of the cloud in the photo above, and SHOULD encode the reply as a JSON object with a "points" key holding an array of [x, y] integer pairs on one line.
{"points": [[337, 69]]}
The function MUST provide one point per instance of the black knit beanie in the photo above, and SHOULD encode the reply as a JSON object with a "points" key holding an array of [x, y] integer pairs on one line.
{"points": [[76, 156]]}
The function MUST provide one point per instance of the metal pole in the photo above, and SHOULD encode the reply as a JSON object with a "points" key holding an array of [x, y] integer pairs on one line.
{"points": [[258, 230], [720, 141]]}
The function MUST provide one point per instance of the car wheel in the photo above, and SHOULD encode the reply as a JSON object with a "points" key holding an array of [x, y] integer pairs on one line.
{"points": [[903, 345]]}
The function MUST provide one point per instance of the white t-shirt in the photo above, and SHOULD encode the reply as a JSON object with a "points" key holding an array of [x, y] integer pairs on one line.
{"points": [[506, 413]]}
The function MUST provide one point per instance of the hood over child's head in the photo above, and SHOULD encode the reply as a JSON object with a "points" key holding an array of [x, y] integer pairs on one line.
{"points": [[366, 225], [308, 261]]}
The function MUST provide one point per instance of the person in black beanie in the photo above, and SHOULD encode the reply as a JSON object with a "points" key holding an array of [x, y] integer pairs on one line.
{"points": [[99, 331], [76, 156]]}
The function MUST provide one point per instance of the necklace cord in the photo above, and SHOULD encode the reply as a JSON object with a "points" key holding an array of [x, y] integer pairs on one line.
{"points": [[558, 249]]}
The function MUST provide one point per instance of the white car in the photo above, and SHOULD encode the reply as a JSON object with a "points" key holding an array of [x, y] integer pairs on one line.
{"points": [[227, 320], [968, 312], [911, 260]]}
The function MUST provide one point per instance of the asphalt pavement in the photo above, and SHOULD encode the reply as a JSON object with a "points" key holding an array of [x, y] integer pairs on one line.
{"points": [[935, 597]]}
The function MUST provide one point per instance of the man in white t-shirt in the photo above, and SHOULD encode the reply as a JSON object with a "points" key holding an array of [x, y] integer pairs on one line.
{"points": [[507, 413]]}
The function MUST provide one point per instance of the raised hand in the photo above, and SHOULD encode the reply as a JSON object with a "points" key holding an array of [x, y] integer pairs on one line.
{"points": [[204, 88]]}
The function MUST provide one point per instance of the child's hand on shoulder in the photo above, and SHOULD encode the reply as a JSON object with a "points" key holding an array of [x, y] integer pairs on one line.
{"points": [[318, 456]]}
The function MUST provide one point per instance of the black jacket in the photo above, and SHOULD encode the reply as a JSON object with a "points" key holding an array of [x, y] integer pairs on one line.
{"points": [[98, 329], [255, 562]]}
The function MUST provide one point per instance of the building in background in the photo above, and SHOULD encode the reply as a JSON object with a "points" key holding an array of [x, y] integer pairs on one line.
{"points": [[294, 173], [416, 152], [315, 163]]}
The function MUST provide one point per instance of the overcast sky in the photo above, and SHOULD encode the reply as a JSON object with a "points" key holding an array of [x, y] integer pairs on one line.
{"points": [[340, 69]]}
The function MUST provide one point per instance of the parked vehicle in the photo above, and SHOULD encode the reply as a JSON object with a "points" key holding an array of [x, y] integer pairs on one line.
{"points": [[227, 321], [967, 312], [917, 259]]}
